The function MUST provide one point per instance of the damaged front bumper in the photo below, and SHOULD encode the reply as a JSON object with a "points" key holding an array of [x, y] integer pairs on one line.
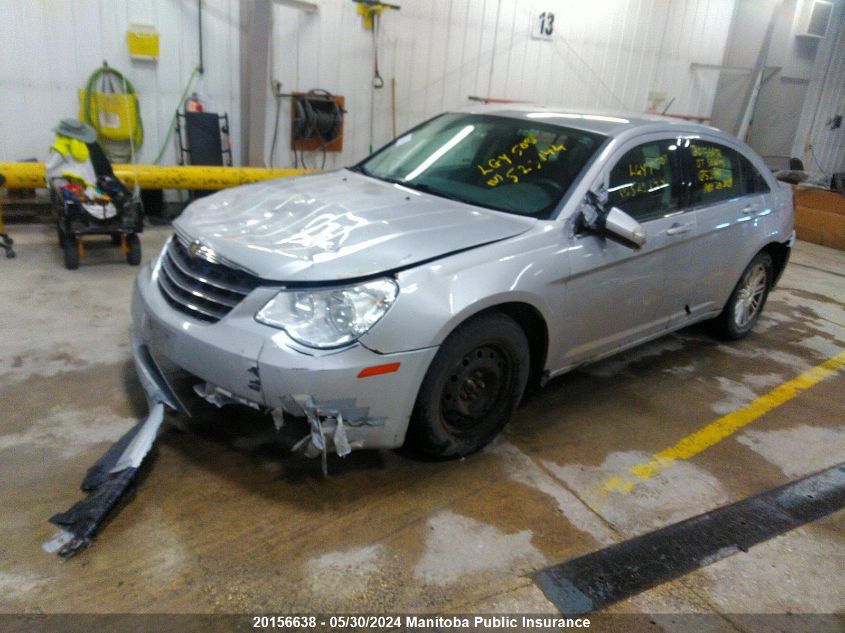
{"points": [[245, 362], [240, 361]]}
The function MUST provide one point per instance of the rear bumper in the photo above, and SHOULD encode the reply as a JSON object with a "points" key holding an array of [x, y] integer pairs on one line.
{"points": [[262, 366]]}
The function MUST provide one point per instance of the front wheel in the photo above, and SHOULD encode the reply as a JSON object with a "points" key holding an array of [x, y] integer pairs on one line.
{"points": [[472, 387], [747, 300]]}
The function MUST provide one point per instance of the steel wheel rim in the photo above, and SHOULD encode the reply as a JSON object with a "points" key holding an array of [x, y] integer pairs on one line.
{"points": [[749, 299], [475, 386]]}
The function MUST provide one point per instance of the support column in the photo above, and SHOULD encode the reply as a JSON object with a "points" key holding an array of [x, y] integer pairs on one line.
{"points": [[255, 33]]}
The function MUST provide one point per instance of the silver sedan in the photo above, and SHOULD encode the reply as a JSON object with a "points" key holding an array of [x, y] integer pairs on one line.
{"points": [[415, 295]]}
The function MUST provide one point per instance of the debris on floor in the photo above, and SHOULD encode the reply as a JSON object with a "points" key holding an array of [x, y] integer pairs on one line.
{"points": [[106, 482]]}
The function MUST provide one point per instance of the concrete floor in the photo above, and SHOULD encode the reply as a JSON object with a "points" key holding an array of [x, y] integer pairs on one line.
{"points": [[224, 521]]}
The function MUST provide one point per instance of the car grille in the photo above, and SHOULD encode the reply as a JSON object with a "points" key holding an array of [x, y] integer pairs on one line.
{"points": [[202, 289]]}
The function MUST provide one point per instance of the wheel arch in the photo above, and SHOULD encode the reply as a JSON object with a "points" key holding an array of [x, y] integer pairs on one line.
{"points": [[530, 320], [779, 252]]}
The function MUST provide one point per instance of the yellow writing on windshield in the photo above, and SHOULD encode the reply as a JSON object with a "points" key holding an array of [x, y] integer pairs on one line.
{"points": [[518, 161]]}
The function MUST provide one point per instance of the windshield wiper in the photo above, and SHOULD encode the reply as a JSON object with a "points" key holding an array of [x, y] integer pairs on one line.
{"points": [[426, 188], [416, 186], [360, 169]]}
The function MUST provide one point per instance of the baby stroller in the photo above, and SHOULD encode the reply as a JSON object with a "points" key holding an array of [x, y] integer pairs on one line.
{"points": [[87, 197]]}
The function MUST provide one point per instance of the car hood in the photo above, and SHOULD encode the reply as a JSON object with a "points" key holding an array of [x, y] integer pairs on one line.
{"points": [[337, 225]]}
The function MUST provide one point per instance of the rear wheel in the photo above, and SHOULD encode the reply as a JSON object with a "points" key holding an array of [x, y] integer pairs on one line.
{"points": [[747, 300], [133, 252], [472, 387], [71, 249]]}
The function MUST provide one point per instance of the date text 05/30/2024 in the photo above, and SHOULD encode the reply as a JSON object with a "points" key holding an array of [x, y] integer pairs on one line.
{"points": [[417, 621]]}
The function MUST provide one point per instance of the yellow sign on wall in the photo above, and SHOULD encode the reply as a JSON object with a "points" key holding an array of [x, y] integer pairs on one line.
{"points": [[115, 114], [143, 41]]}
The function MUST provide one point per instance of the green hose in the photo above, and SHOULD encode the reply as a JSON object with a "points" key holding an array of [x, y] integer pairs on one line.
{"points": [[175, 114], [136, 134]]}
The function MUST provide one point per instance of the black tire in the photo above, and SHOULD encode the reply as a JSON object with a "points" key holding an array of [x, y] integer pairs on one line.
{"points": [[71, 252], [747, 299], [471, 388], [133, 254]]}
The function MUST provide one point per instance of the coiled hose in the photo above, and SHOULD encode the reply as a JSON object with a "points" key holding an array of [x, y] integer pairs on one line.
{"points": [[92, 116]]}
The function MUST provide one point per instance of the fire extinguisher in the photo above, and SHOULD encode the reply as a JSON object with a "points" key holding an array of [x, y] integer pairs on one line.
{"points": [[193, 104]]}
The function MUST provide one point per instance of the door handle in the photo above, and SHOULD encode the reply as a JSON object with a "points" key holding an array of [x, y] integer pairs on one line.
{"points": [[677, 229], [751, 208]]}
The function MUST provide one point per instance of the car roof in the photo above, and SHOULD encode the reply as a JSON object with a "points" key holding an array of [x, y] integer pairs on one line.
{"points": [[608, 123]]}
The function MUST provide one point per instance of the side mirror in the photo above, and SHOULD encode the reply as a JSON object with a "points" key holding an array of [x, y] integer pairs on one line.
{"points": [[614, 224], [626, 229]]}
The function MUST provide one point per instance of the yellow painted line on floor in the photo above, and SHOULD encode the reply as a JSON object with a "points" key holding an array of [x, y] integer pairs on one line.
{"points": [[723, 427]]}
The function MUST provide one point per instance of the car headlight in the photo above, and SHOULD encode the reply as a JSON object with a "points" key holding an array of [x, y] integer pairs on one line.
{"points": [[329, 317]]}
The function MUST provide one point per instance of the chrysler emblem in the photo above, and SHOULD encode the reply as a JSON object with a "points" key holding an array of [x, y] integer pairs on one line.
{"points": [[194, 248]]}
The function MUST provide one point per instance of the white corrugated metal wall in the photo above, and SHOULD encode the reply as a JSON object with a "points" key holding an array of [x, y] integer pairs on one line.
{"points": [[608, 54], [51, 47]]}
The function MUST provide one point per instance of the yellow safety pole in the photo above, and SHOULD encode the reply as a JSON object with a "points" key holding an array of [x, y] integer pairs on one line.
{"points": [[31, 176]]}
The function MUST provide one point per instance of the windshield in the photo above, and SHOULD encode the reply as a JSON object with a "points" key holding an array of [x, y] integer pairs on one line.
{"points": [[513, 165]]}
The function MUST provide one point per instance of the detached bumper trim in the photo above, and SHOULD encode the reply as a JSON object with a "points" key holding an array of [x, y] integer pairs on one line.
{"points": [[151, 377]]}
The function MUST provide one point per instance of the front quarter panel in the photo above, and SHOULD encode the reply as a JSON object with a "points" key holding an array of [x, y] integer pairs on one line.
{"points": [[437, 297]]}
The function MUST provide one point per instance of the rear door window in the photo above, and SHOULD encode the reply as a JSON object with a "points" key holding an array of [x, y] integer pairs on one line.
{"points": [[752, 179], [720, 173]]}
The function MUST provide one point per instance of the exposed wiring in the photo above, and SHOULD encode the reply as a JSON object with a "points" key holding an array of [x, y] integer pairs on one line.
{"points": [[172, 125]]}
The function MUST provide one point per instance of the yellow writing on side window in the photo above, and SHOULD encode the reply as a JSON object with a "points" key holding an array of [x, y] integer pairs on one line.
{"points": [[649, 167], [715, 185], [649, 185], [713, 170]]}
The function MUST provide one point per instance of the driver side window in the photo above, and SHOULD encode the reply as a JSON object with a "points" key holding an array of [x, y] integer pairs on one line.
{"points": [[645, 183]]}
